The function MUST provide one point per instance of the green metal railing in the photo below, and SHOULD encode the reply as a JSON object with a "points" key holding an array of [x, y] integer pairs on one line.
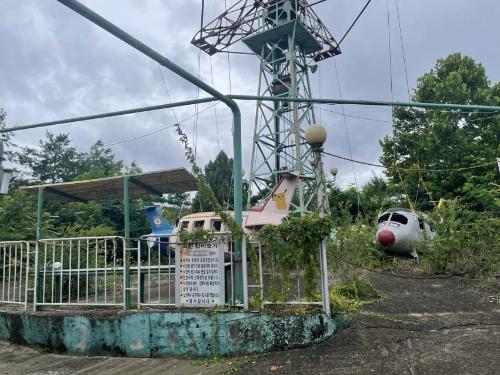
{"points": [[229, 100]]}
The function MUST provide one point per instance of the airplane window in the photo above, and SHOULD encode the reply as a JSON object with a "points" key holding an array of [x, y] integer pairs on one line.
{"points": [[420, 223], [398, 218], [383, 218], [216, 225], [199, 224], [184, 225]]}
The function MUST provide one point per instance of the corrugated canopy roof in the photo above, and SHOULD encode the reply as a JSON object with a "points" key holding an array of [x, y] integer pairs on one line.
{"points": [[151, 183]]}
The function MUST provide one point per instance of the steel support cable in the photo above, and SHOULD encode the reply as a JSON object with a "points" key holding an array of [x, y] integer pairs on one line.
{"points": [[403, 50], [390, 121], [347, 131], [392, 98], [215, 109], [390, 49], [155, 131], [354, 23], [167, 92], [427, 191], [195, 128], [229, 61], [411, 169], [320, 94]]}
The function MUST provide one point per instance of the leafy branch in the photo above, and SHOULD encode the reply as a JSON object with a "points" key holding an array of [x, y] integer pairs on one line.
{"points": [[204, 188]]}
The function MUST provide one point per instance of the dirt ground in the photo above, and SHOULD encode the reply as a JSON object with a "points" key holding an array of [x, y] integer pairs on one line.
{"points": [[422, 326]]}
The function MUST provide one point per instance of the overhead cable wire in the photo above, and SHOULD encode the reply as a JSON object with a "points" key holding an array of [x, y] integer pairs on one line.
{"points": [[392, 98], [132, 139], [229, 61], [390, 121], [461, 169], [215, 109], [390, 49], [316, 3], [346, 130], [403, 50], [320, 94], [167, 92], [195, 127], [354, 23]]}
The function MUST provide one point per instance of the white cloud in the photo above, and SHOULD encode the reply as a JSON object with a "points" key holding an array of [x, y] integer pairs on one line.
{"points": [[55, 64]]}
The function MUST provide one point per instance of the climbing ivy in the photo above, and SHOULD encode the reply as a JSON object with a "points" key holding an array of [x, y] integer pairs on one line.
{"points": [[204, 189], [295, 242], [197, 235]]}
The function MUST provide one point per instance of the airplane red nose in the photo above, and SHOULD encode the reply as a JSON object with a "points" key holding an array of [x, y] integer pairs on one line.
{"points": [[386, 238]]}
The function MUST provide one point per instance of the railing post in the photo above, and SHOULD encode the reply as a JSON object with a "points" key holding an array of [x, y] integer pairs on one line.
{"points": [[244, 271], [27, 271], [126, 244], [141, 276], [324, 279], [39, 233]]}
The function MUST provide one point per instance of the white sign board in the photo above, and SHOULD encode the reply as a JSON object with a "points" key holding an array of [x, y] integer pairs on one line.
{"points": [[200, 274]]}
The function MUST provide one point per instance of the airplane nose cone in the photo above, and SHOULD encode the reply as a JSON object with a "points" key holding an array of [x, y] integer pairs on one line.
{"points": [[386, 238]]}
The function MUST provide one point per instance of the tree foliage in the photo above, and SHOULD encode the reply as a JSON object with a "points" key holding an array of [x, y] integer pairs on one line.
{"points": [[57, 160], [219, 175], [447, 139], [375, 196]]}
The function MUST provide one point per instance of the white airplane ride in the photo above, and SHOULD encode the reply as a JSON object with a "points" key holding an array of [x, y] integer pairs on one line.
{"points": [[399, 229]]}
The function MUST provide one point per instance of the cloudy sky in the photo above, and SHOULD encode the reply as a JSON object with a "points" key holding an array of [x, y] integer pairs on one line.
{"points": [[54, 64]]}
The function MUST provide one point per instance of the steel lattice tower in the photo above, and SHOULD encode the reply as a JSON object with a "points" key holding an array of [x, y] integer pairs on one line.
{"points": [[289, 39]]}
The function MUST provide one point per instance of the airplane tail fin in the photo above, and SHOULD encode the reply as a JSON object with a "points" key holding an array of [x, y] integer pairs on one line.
{"points": [[277, 205], [156, 221]]}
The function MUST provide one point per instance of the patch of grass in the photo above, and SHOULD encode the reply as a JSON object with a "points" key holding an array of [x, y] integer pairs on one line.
{"points": [[350, 296], [208, 361]]}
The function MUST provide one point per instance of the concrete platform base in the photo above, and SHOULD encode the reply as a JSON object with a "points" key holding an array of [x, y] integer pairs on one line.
{"points": [[161, 333]]}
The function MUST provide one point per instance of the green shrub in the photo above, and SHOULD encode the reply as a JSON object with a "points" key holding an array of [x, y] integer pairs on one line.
{"points": [[294, 244], [466, 243]]}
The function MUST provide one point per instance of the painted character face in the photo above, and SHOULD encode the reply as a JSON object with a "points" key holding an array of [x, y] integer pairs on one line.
{"points": [[157, 220], [280, 200]]}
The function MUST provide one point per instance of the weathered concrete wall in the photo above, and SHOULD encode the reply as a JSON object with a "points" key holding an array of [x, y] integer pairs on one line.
{"points": [[144, 334]]}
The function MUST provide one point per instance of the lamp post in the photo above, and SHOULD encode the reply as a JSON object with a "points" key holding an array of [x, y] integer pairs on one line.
{"points": [[316, 136]]}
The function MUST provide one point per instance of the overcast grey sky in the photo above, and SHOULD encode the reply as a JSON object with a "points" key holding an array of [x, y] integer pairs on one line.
{"points": [[54, 64]]}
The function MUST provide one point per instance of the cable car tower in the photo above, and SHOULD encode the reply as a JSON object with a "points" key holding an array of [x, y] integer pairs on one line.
{"points": [[289, 39]]}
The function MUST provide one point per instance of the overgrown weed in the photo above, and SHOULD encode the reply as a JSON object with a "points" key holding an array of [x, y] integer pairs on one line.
{"points": [[467, 243], [351, 295]]}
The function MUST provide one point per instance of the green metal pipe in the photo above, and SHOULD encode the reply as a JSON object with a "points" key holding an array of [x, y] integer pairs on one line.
{"points": [[471, 107], [487, 108], [126, 254], [39, 213], [162, 60], [108, 114]]}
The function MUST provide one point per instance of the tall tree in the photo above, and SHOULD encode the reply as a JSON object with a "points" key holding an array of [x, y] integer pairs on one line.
{"points": [[54, 161], [99, 162], [219, 174], [447, 139]]}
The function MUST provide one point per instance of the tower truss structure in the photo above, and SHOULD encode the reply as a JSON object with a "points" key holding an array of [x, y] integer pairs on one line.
{"points": [[289, 39]]}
